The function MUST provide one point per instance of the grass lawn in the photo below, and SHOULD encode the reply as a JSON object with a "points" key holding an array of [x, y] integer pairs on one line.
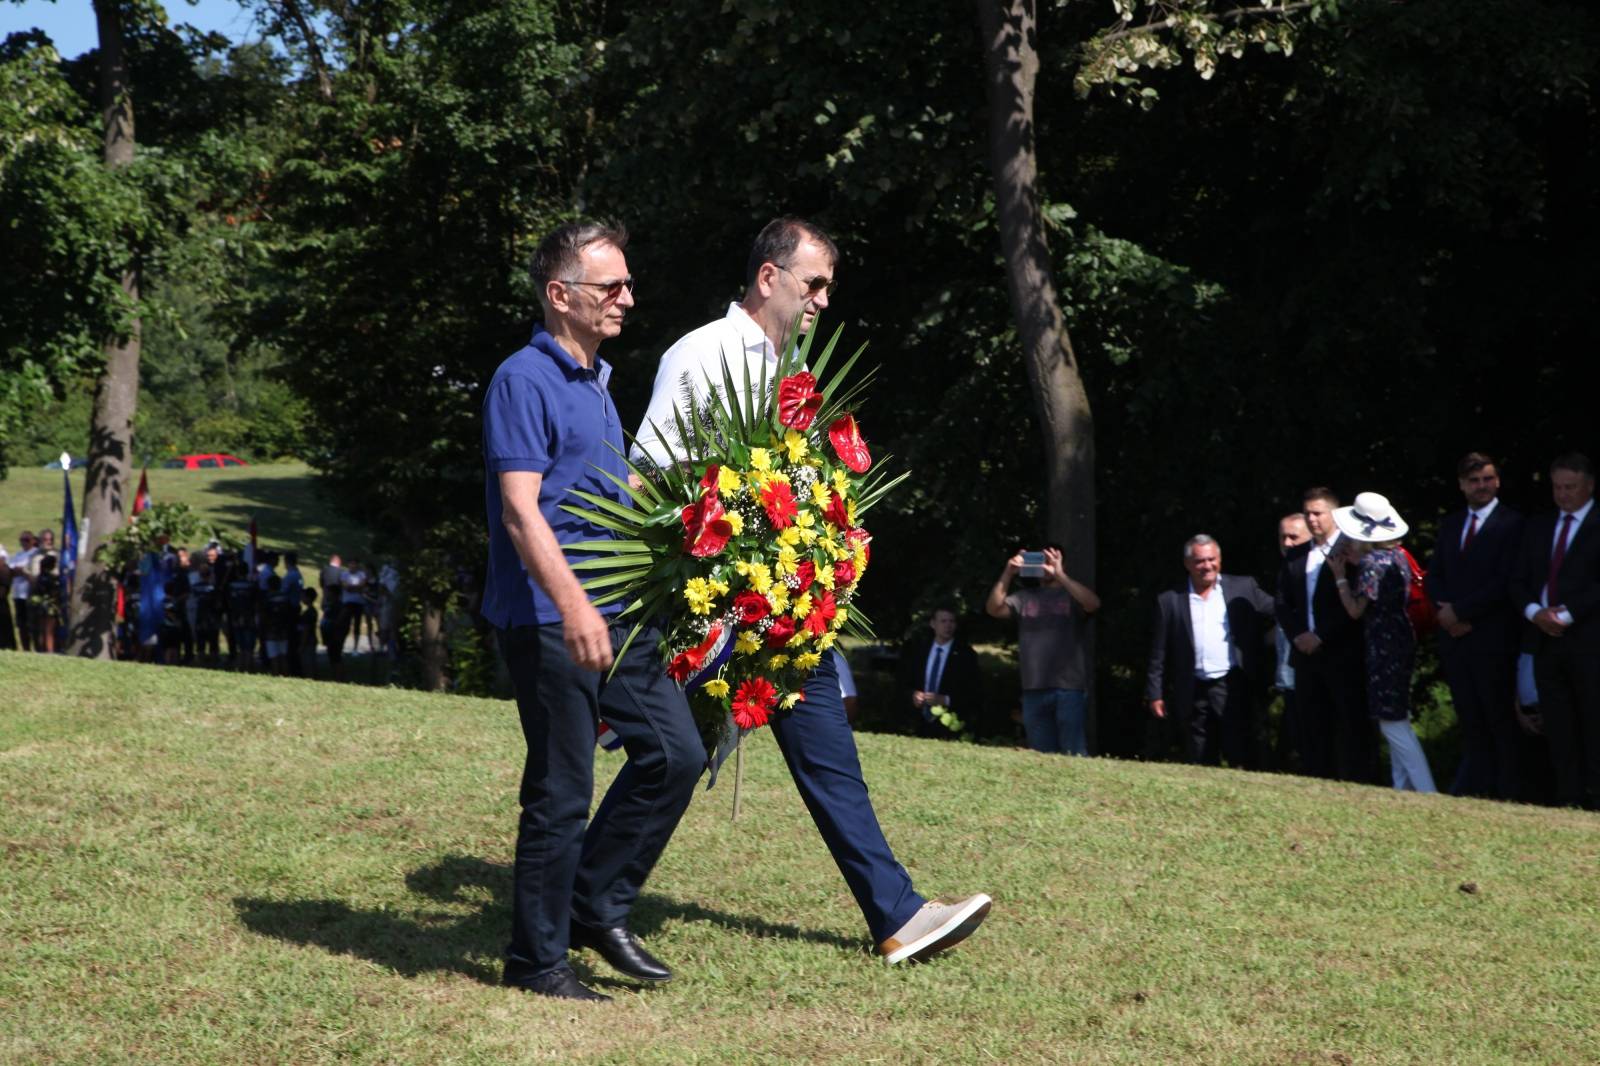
{"points": [[283, 498], [207, 868]]}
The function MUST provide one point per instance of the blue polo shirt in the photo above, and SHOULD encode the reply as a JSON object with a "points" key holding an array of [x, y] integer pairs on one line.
{"points": [[547, 413]]}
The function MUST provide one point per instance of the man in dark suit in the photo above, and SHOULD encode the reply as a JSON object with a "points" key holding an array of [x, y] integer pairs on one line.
{"points": [[1336, 738], [939, 673], [1207, 658], [1557, 586], [1468, 580]]}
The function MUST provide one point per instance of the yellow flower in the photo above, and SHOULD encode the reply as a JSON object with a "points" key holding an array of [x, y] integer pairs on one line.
{"points": [[717, 585], [697, 593], [728, 481], [778, 662], [760, 459], [850, 509], [808, 535], [821, 494], [799, 638], [825, 576], [807, 660], [716, 688], [735, 521], [802, 606], [748, 643], [841, 483], [795, 444], [760, 577], [788, 560], [840, 616], [860, 559], [791, 699], [778, 597], [831, 545], [790, 536], [827, 639], [805, 519]]}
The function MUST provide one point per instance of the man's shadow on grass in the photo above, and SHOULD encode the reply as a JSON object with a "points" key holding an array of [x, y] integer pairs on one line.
{"points": [[470, 943]]}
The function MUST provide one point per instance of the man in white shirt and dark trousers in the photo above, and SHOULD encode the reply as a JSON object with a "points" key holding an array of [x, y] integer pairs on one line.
{"points": [[1557, 589], [1207, 657]]}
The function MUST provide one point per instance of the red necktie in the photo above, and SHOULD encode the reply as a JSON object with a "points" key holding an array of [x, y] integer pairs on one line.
{"points": [[1472, 529], [1556, 558]]}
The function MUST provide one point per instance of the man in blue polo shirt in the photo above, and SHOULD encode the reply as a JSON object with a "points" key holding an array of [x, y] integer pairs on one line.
{"points": [[549, 427]]}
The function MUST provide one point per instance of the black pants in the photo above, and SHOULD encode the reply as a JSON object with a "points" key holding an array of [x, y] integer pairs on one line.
{"points": [[1569, 701], [1336, 738], [24, 625], [1483, 687], [1219, 722], [567, 870], [8, 635]]}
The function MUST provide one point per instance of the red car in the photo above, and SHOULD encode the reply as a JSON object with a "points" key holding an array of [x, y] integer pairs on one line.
{"points": [[207, 461]]}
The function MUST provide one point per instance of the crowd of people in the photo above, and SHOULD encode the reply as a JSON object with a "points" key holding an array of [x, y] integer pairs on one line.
{"points": [[215, 608]]}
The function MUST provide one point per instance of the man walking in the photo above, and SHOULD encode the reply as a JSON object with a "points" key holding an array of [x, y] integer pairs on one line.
{"points": [[788, 279], [549, 427]]}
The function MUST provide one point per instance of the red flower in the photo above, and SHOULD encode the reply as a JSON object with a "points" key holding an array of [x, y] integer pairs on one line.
{"points": [[847, 442], [752, 606], [782, 629], [753, 702], [844, 574], [705, 529], [859, 537], [779, 503], [710, 480], [798, 401], [823, 611], [836, 512], [804, 575], [687, 663]]}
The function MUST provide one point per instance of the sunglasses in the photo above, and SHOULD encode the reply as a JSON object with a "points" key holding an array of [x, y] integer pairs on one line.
{"points": [[610, 289], [815, 285]]}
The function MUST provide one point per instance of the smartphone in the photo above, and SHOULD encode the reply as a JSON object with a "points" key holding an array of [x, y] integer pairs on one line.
{"points": [[1032, 564]]}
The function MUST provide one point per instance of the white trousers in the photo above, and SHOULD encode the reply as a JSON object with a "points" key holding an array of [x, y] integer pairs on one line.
{"points": [[1407, 762]]}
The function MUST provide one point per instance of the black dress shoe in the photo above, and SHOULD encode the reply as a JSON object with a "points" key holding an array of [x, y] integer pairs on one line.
{"points": [[558, 984], [622, 950]]}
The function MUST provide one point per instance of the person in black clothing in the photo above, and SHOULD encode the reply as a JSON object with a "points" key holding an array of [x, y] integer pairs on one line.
{"points": [[303, 660], [207, 616], [169, 638], [241, 598], [279, 613], [939, 675]]}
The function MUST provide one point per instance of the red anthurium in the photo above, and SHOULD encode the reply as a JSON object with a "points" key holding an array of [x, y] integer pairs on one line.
{"points": [[844, 574], [710, 480], [847, 442], [753, 702], [804, 575], [798, 401], [687, 663], [823, 611], [706, 529], [778, 501], [836, 512], [782, 629], [752, 607]]}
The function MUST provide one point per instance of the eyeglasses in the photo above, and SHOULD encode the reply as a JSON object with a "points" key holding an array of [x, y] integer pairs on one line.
{"points": [[815, 285], [611, 289]]}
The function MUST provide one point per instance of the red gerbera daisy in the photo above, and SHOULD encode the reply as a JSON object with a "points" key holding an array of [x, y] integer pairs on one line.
{"points": [[753, 703], [778, 501]]}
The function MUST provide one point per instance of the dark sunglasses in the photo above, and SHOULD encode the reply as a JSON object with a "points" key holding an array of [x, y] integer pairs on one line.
{"points": [[815, 285], [610, 289]]}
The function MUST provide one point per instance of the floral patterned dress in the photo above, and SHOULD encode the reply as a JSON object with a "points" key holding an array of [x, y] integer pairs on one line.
{"points": [[1383, 581]]}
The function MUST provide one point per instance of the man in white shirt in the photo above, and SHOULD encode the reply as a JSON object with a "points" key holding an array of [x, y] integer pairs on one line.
{"points": [[1336, 737], [788, 280], [939, 672], [21, 588], [1206, 660]]}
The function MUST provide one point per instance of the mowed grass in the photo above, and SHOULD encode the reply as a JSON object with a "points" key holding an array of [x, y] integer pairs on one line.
{"points": [[207, 868], [290, 511]]}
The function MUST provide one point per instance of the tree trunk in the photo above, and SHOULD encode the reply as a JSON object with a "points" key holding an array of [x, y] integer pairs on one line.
{"points": [[1065, 421], [1011, 58], [433, 650], [116, 393]]}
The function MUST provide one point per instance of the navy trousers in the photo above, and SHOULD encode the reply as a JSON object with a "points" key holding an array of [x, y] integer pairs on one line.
{"points": [[820, 748], [569, 866]]}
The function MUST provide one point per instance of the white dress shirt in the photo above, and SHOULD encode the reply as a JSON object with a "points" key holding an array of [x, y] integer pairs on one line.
{"points": [[20, 585], [734, 340], [1315, 558], [1563, 616], [1482, 515], [1208, 617]]}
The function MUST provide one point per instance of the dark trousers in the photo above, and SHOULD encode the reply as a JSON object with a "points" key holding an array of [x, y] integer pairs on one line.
{"points": [[1483, 688], [1569, 702], [570, 867], [1336, 738], [1219, 722], [820, 748], [24, 625], [8, 635]]}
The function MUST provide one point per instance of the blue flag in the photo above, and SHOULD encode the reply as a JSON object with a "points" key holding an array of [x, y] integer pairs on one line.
{"points": [[69, 530]]}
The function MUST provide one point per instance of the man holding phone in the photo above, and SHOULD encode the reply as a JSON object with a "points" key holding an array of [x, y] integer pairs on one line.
{"points": [[1052, 612]]}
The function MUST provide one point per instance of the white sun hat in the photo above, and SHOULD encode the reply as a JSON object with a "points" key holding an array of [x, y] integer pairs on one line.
{"points": [[1371, 518]]}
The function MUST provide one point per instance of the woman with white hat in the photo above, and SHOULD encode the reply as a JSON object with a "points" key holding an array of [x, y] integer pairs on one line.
{"points": [[1377, 596]]}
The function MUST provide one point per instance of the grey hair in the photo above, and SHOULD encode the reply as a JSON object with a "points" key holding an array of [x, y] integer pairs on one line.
{"points": [[558, 255], [1196, 541]]}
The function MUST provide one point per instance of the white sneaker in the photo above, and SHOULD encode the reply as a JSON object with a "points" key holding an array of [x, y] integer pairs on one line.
{"points": [[936, 927]]}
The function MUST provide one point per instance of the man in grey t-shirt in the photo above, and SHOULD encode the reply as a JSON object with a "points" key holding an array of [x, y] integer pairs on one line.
{"points": [[1051, 619]]}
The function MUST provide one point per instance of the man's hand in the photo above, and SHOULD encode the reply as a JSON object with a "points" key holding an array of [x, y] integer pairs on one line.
{"points": [[1460, 629], [1447, 618], [1307, 643], [919, 699], [1548, 623], [1013, 566], [587, 636], [1158, 708], [1054, 571]]}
